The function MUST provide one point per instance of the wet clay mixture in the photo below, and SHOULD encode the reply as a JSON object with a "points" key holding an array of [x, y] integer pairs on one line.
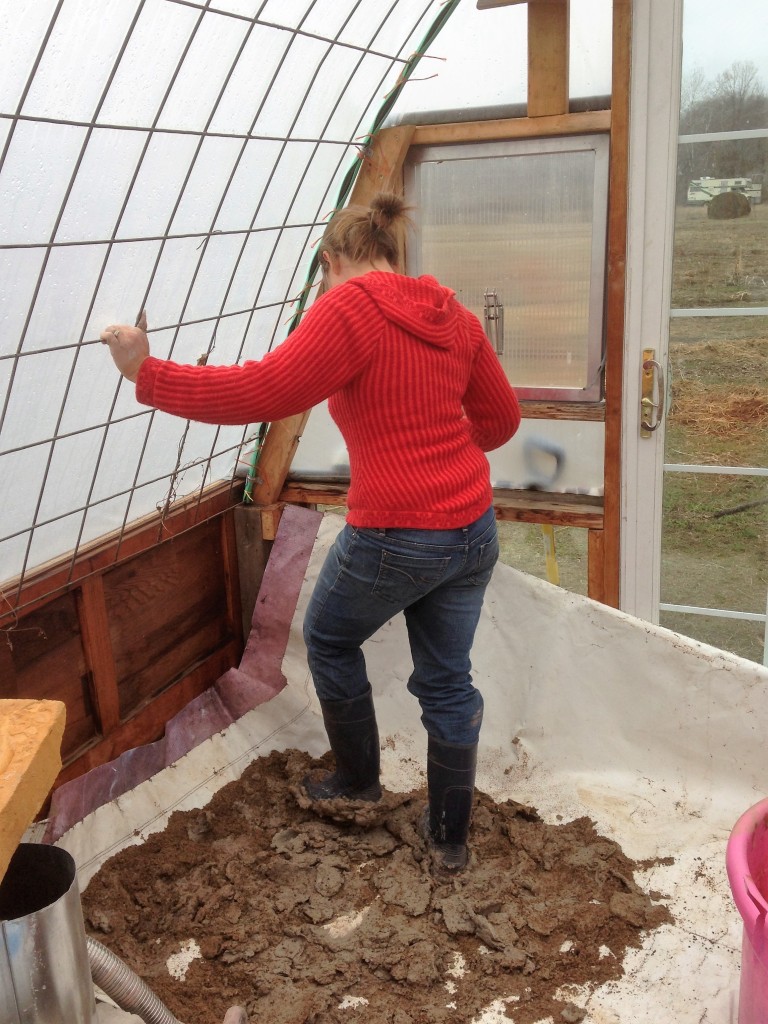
{"points": [[301, 919]]}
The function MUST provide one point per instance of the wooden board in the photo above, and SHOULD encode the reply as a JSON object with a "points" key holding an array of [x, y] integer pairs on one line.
{"points": [[30, 759], [165, 610], [513, 128], [548, 22], [544, 507], [615, 298], [43, 659]]}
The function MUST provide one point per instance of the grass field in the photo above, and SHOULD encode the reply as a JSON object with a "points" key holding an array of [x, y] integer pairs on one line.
{"points": [[715, 536]]}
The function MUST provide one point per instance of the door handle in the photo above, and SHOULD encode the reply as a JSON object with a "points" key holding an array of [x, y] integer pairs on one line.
{"points": [[652, 373]]}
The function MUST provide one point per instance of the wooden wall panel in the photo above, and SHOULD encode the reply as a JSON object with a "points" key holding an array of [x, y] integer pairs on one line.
{"points": [[128, 647], [43, 659], [166, 610]]}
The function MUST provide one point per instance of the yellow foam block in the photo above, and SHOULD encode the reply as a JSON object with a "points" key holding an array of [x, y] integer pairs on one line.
{"points": [[30, 760]]}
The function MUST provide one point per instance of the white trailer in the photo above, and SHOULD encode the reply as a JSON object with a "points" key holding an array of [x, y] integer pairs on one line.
{"points": [[701, 190]]}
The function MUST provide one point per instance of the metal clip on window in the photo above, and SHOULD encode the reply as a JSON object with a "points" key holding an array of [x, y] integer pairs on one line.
{"points": [[494, 320]]}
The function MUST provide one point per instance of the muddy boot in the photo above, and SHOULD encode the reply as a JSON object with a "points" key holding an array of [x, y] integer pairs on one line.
{"points": [[354, 739], [451, 787]]}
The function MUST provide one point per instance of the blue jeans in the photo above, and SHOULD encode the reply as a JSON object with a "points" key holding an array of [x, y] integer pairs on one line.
{"points": [[437, 578]]}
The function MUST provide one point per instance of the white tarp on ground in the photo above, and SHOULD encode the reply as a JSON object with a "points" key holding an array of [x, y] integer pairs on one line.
{"points": [[658, 739]]}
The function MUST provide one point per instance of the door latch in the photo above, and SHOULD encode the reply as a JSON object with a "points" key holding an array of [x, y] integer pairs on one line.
{"points": [[651, 373], [494, 319]]}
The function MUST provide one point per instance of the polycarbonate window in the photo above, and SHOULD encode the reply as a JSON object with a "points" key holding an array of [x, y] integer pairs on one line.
{"points": [[518, 230]]}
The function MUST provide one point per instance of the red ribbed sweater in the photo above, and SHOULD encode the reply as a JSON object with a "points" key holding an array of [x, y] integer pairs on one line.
{"points": [[413, 385]]}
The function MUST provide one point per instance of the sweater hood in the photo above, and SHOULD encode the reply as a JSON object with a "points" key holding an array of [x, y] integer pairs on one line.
{"points": [[420, 305]]}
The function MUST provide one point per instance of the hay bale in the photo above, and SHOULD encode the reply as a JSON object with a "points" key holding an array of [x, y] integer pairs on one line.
{"points": [[729, 206]]}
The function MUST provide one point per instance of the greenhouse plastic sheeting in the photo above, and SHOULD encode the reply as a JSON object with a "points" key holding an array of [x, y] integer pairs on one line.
{"points": [[177, 157], [658, 739]]}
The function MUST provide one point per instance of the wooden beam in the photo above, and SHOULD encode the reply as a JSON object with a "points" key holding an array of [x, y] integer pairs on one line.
{"points": [[615, 296], [546, 507], [583, 412], [382, 169], [548, 57], [232, 576], [97, 647], [252, 556], [595, 565], [581, 123], [549, 509], [277, 452], [299, 492]]}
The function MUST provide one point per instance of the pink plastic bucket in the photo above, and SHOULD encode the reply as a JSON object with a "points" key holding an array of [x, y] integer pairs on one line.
{"points": [[746, 860]]}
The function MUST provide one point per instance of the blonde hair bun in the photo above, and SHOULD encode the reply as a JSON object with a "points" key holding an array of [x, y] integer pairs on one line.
{"points": [[368, 233], [386, 209]]}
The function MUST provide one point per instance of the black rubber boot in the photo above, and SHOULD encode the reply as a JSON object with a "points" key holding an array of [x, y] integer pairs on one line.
{"points": [[451, 786], [354, 739]]}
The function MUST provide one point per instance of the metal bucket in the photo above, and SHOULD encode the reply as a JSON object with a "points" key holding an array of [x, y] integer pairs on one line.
{"points": [[45, 977]]}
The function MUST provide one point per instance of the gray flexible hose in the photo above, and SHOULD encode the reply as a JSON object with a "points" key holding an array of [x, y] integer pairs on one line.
{"points": [[116, 978]]}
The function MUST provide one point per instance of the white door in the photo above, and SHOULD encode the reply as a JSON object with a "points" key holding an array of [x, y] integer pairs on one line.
{"points": [[695, 506], [654, 107]]}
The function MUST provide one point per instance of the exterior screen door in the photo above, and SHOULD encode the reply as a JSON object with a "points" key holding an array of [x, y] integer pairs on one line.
{"points": [[695, 554]]}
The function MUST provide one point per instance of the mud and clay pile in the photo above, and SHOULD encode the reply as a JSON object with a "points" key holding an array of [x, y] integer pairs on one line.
{"points": [[254, 900]]}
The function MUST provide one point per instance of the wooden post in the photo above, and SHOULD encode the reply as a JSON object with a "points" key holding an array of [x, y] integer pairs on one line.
{"points": [[97, 646], [595, 565], [277, 452], [383, 164], [253, 550], [254, 531], [615, 295], [548, 22], [232, 577]]}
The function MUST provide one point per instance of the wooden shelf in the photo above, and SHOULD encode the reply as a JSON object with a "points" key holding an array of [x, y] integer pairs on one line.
{"points": [[546, 507]]}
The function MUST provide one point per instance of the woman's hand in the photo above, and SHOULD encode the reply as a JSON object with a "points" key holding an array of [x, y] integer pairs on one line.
{"points": [[128, 346]]}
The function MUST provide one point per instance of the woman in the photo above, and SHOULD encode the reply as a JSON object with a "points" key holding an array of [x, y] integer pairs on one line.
{"points": [[419, 396]]}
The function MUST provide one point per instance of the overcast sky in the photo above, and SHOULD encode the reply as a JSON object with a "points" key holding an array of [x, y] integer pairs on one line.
{"points": [[716, 34], [486, 51]]}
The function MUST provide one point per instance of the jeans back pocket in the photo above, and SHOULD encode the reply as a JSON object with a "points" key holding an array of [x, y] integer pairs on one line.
{"points": [[487, 557], [404, 578]]}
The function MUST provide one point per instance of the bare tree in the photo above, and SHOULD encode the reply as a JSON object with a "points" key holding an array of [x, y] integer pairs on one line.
{"points": [[739, 98], [735, 100], [694, 90], [695, 116]]}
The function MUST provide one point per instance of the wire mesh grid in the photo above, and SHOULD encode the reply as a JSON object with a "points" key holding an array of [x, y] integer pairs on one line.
{"points": [[181, 158]]}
